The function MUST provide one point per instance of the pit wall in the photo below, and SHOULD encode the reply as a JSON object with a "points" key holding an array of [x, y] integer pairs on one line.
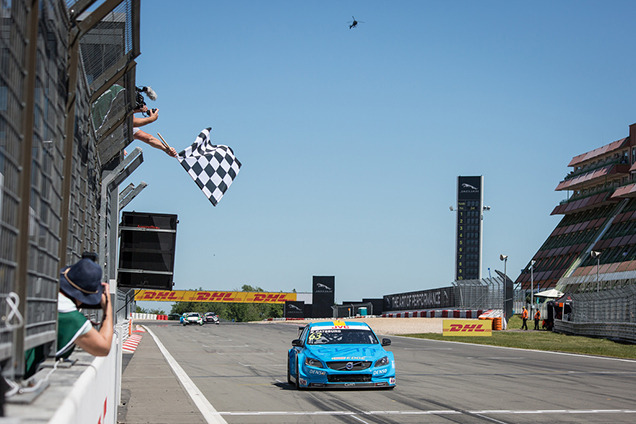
{"points": [[84, 390]]}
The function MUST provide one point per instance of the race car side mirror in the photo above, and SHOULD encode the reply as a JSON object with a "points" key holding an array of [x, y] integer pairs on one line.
{"points": [[297, 342], [386, 342]]}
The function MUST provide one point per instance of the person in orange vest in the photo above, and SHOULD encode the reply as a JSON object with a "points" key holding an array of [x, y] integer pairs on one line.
{"points": [[537, 318], [524, 317]]}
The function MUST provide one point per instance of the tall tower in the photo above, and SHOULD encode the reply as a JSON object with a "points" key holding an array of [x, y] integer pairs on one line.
{"points": [[470, 200]]}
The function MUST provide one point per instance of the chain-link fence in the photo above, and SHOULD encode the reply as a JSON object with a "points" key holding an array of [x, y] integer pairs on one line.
{"points": [[615, 305], [352, 310], [485, 293], [601, 307]]}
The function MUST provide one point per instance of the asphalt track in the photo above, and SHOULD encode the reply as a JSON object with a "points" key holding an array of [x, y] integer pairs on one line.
{"points": [[236, 373]]}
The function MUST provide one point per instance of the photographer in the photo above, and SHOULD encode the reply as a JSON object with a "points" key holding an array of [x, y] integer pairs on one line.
{"points": [[80, 287], [150, 115]]}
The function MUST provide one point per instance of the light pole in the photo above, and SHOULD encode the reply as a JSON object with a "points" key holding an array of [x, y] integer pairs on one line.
{"points": [[504, 258], [597, 255], [532, 284]]}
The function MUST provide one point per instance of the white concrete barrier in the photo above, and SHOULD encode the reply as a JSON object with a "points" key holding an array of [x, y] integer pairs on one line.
{"points": [[93, 398]]}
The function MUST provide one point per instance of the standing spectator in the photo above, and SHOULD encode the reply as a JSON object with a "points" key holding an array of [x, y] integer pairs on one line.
{"points": [[537, 318], [524, 317]]}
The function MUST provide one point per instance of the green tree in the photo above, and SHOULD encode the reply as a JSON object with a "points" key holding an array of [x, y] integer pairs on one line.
{"points": [[155, 311]]}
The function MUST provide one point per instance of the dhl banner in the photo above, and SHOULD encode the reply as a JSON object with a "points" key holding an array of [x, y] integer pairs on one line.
{"points": [[212, 296], [467, 327]]}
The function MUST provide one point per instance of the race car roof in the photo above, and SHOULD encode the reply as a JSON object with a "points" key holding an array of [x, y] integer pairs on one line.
{"points": [[336, 325]]}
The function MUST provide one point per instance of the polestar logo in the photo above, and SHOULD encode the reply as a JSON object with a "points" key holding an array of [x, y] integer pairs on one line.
{"points": [[469, 187]]}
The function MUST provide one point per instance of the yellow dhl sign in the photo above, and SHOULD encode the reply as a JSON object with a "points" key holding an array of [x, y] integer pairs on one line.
{"points": [[212, 296], [467, 327]]}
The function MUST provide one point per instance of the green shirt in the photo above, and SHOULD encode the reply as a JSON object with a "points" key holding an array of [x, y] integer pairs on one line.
{"points": [[71, 324]]}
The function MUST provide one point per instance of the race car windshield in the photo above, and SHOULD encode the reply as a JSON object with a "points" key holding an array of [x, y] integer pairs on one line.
{"points": [[337, 336]]}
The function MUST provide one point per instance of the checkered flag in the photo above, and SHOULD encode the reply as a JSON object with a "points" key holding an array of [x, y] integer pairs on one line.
{"points": [[212, 167]]}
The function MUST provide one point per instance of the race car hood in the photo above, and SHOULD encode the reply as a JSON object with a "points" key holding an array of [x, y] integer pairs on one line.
{"points": [[347, 352]]}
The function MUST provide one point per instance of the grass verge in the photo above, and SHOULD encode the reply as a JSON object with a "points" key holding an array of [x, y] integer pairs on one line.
{"points": [[543, 340]]}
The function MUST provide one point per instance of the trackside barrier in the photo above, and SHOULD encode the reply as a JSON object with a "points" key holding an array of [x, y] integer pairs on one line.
{"points": [[610, 330], [92, 398], [435, 313], [87, 391], [153, 317]]}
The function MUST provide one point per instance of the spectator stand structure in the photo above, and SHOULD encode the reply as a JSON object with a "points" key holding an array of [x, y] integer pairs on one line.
{"points": [[591, 254], [66, 100]]}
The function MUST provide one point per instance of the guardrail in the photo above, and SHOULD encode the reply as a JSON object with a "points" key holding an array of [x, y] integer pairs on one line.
{"points": [[153, 317]]}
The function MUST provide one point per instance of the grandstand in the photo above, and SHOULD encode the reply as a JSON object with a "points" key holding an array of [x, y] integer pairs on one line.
{"points": [[591, 254], [599, 215]]}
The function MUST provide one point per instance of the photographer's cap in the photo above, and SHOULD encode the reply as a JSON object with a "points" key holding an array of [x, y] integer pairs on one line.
{"points": [[83, 281]]}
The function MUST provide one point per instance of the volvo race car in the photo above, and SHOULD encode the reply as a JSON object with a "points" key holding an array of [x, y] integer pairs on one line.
{"points": [[340, 354]]}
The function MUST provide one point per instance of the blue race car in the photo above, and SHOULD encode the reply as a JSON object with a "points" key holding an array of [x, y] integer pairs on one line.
{"points": [[340, 354]]}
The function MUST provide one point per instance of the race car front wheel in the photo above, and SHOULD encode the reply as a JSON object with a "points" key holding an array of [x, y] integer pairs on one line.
{"points": [[297, 375], [289, 381]]}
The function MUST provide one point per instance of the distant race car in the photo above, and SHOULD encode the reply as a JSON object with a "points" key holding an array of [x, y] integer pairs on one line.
{"points": [[191, 318], [211, 317], [340, 354]]}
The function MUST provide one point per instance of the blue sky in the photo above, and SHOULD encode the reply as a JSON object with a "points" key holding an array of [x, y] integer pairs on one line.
{"points": [[352, 140]]}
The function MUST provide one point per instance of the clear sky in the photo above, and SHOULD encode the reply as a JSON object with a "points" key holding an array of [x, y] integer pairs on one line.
{"points": [[351, 140]]}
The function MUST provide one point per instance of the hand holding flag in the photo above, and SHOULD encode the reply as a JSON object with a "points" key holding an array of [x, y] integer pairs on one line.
{"points": [[169, 150]]}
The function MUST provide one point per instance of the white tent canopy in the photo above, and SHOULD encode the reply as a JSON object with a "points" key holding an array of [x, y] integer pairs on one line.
{"points": [[554, 293]]}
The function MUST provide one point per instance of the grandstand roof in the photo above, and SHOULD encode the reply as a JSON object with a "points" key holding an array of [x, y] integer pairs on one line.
{"points": [[592, 177], [608, 148], [581, 204], [625, 191], [599, 216]]}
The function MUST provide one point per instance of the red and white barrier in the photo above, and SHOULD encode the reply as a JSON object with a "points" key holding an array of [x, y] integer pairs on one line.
{"points": [[152, 317], [435, 313]]}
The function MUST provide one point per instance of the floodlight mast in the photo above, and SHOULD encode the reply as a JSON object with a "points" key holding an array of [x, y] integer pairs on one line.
{"points": [[532, 262], [596, 254], [504, 258]]}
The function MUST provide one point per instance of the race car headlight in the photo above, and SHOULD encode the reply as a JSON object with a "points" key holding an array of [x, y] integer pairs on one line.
{"points": [[382, 362], [313, 362]]}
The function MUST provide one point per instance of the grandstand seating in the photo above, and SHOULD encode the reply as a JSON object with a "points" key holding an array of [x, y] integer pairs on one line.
{"points": [[599, 215]]}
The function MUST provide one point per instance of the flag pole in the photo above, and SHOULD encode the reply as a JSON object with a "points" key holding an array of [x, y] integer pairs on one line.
{"points": [[163, 141]]}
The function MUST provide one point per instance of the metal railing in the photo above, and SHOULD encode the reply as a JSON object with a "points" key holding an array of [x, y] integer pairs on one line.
{"points": [[486, 293], [604, 308]]}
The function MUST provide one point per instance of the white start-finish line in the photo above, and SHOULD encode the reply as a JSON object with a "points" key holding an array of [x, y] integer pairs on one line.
{"points": [[432, 412]]}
